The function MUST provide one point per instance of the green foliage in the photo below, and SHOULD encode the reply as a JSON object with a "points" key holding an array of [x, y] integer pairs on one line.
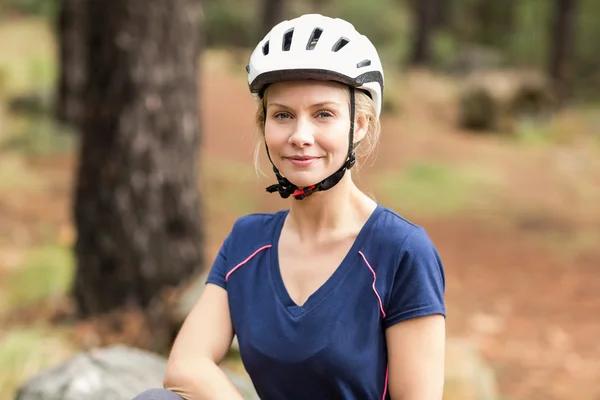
{"points": [[27, 351], [37, 134], [567, 128], [530, 38], [533, 132], [445, 48], [522, 38], [384, 22], [235, 23], [527, 39], [28, 60], [47, 273], [44, 8], [230, 23], [431, 188], [28, 70], [586, 51]]}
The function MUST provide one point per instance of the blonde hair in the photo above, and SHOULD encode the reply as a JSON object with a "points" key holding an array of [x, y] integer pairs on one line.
{"points": [[363, 105]]}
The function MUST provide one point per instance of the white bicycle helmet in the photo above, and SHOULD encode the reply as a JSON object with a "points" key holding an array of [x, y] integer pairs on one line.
{"points": [[321, 48], [314, 46]]}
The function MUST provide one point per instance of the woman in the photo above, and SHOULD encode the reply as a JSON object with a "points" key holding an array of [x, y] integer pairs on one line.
{"points": [[337, 297]]}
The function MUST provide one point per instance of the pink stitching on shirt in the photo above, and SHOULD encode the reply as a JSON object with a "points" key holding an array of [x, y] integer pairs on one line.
{"points": [[382, 313], [246, 260], [386, 383], [374, 280]]}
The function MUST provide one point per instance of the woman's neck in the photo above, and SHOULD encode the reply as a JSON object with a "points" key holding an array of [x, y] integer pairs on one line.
{"points": [[342, 208]]}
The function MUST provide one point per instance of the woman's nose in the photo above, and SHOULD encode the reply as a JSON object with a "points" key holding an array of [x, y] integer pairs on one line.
{"points": [[302, 134]]}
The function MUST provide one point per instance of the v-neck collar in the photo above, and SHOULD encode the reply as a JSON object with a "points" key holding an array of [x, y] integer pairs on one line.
{"points": [[349, 260]]}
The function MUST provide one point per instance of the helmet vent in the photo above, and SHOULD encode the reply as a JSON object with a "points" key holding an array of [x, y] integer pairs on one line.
{"points": [[266, 48], [287, 40], [339, 44], [363, 63], [314, 38]]}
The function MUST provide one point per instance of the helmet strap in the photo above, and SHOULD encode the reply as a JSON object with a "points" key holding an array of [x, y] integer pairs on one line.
{"points": [[285, 188]]}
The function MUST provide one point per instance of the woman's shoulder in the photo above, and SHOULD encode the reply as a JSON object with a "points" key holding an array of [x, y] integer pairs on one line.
{"points": [[259, 221], [395, 231], [394, 238], [403, 253], [257, 227]]}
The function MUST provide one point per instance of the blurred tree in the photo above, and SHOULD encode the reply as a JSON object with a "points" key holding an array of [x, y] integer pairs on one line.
{"points": [[563, 27], [495, 20], [443, 13], [425, 16], [319, 6], [136, 205], [587, 57], [272, 13], [230, 24], [71, 26]]}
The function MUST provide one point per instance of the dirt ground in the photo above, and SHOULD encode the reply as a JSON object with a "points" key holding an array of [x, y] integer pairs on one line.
{"points": [[519, 280]]}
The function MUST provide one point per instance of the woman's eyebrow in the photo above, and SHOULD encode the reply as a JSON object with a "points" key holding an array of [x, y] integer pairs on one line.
{"points": [[326, 103], [321, 104], [277, 105]]}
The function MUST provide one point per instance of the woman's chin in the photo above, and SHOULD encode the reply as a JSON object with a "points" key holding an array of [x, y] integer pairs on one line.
{"points": [[304, 179]]}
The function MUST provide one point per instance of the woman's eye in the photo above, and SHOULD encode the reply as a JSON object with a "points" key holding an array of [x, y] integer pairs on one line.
{"points": [[282, 115], [324, 114]]}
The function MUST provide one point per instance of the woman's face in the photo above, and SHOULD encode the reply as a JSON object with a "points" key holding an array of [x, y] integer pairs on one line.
{"points": [[307, 126]]}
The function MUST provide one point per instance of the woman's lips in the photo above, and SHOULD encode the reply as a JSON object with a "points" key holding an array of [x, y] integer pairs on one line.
{"points": [[302, 161]]}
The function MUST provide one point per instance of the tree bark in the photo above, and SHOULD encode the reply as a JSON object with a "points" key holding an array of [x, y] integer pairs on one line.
{"points": [[71, 29], [425, 15], [136, 206], [562, 44], [272, 14]]}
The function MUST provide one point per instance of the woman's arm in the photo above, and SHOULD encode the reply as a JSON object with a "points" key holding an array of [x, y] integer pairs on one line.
{"points": [[202, 342], [416, 356]]}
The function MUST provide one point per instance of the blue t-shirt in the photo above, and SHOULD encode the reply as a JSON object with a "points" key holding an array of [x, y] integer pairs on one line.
{"points": [[333, 346]]}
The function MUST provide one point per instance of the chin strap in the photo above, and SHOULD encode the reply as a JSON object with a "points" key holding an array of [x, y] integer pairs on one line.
{"points": [[286, 188]]}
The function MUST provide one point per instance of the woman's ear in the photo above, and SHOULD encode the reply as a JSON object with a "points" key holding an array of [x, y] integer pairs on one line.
{"points": [[361, 127]]}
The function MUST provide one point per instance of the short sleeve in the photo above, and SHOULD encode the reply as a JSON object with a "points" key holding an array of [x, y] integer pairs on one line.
{"points": [[218, 271], [419, 283]]}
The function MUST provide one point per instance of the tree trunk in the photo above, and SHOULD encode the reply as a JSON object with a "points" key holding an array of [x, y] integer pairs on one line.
{"points": [[443, 14], [272, 14], [495, 22], [71, 28], [562, 43], [425, 14], [137, 210]]}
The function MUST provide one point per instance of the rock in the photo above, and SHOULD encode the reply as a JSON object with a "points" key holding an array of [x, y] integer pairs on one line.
{"points": [[495, 100], [113, 373]]}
